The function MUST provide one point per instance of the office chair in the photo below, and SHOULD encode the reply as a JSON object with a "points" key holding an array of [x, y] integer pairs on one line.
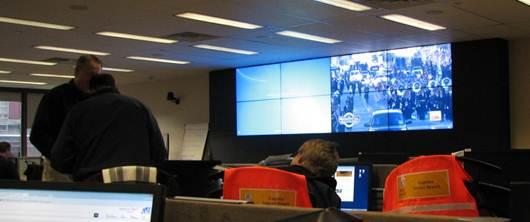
{"points": [[263, 185]]}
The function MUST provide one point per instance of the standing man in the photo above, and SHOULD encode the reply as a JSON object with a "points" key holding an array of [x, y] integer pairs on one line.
{"points": [[54, 107], [107, 130]]}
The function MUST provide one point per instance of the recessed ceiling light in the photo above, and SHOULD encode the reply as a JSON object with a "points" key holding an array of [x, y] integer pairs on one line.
{"points": [[527, 2], [158, 60], [217, 20], [224, 49], [137, 37], [35, 24], [346, 5], [23, 82], [28, 62], [79, 51], [412, 22], [4, 72], [308, 37], [116, 69], [52, 75]]}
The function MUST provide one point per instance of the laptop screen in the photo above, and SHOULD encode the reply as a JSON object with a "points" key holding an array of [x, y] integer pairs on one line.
{"points": [[353, 186], [63, 205]]}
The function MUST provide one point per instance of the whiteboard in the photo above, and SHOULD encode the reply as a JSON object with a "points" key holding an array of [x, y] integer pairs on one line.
{"points": [[194, 141]]}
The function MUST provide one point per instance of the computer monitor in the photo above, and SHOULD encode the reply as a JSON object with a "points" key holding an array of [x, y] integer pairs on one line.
{"points": [[353, 186], [37, 201]]}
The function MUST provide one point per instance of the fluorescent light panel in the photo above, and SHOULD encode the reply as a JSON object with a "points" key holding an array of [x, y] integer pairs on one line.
{"points": [[224, 49], [527, 2], [116, 69], [22, 82], [52, 75], [79, 51], [27, 62], [137, 37], [217, 20], [308, 37], [35, 24], [4, 72], [158, 60], [353, 6], [412, 22]]}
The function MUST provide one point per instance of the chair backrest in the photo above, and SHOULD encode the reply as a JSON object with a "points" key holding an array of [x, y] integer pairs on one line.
{"points": [[263, 185], [432, 185], [120, 174]]}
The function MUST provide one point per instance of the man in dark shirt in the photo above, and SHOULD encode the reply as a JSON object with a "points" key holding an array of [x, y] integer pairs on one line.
{"points": [[107, 130], [54, 107], [8, 169], [317, 160]]}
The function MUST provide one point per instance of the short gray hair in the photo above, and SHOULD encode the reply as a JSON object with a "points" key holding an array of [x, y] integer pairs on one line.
{"points": [[86, 59], [320, 157]]}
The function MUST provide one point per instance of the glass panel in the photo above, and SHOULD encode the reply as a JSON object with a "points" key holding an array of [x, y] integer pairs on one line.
{"points": [[305, 78], [357, 73], [420, 67], [10, 120], [306, 115], [359, 112], [259, 117], [431, 109], [258, 83]]}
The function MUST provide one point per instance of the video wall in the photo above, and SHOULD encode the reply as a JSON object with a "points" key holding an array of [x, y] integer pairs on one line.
{"points": [[391, 90]]}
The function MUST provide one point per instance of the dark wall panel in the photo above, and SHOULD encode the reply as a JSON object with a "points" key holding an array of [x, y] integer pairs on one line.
{"points": [[480, 107]]}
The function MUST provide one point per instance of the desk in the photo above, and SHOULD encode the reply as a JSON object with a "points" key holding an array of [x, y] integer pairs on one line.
{"points": [[201, 211]]}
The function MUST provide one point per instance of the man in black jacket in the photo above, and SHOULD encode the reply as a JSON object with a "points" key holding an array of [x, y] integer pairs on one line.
{"points": [[54, 107], [318, 159], [105, 131]]}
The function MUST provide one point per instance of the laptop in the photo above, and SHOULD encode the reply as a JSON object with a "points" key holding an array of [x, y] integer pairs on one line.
{"points": [[72, 202], [353, 186]]}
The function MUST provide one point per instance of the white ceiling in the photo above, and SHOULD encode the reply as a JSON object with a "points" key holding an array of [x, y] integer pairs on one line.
{"points": [[365, 31]]}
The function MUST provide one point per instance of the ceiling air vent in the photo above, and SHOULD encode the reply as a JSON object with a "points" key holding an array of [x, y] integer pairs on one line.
{"points": [[190, 37], [59, 60], [397, 4]]}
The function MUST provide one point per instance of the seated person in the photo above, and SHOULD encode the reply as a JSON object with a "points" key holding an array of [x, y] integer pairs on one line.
{"points": [[317, 159], [8, 169], [104, 131]]}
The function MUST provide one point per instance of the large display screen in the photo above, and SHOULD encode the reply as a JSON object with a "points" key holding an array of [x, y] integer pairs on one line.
{"points": [[391, 90]]}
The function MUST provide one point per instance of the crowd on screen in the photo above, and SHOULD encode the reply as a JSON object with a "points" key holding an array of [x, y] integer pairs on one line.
{"points": [[415, 85]]}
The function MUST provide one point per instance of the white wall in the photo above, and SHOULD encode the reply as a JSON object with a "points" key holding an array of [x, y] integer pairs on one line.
{"points": [[520, 93], [194, 105]]}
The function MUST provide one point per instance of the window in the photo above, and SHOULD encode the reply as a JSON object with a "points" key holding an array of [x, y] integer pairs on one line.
{"points": [[12, 116], [10, 120]]}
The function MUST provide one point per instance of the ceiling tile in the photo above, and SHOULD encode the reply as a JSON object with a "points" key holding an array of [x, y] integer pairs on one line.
{"points": [[446, 15], [499, 31], [503, 11], [443, 36], [360, 31], [376, 26]]}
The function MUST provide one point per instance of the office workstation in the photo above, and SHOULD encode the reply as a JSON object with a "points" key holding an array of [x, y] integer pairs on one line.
{"points": [[249, 110]]}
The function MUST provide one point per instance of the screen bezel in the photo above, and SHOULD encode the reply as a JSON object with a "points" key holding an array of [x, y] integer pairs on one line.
{"points": [[158, 191]]}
